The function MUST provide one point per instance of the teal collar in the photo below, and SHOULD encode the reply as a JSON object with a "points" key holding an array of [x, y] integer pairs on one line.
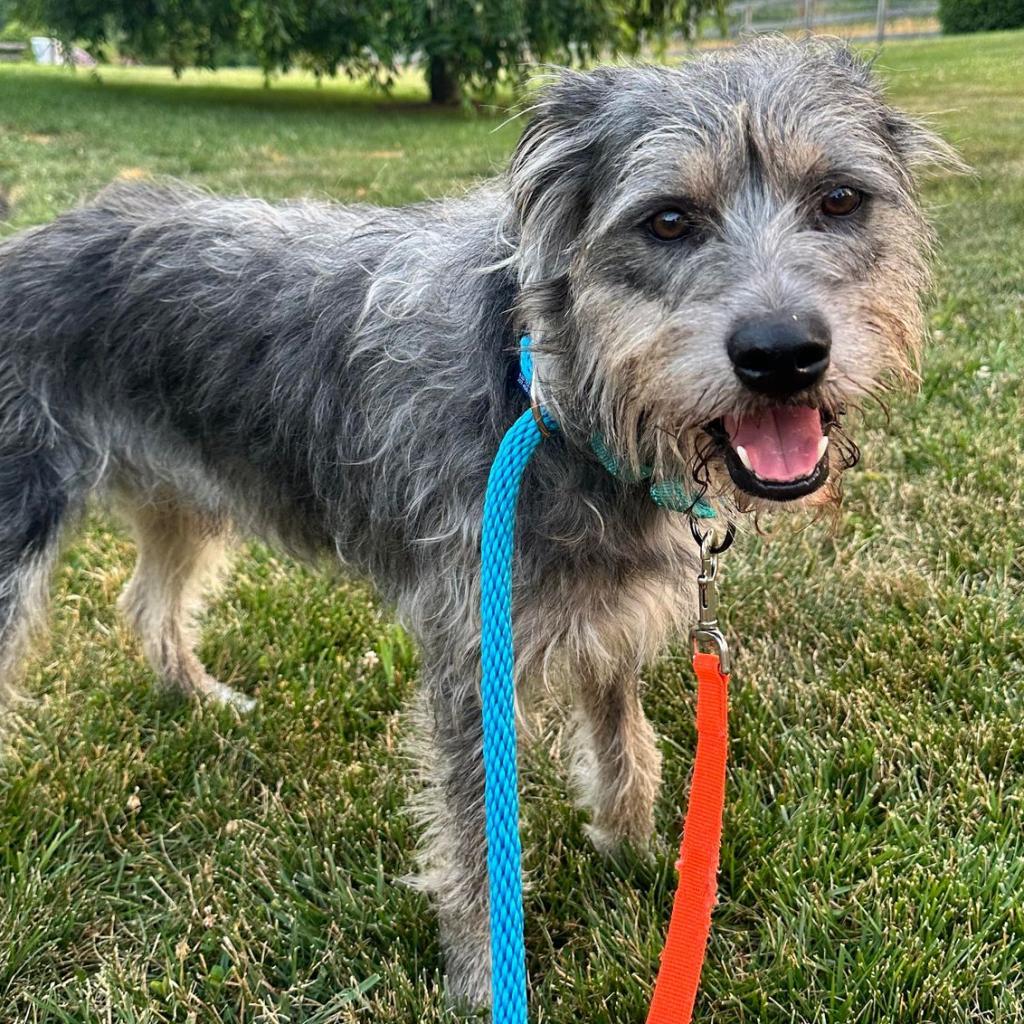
{"points": [[667, 494]]}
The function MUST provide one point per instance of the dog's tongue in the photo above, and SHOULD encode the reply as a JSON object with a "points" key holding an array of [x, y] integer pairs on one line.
{"points": [[781, 444]]}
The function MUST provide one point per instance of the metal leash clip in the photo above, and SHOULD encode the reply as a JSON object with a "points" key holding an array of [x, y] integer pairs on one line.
{"points": [[706, 633]]}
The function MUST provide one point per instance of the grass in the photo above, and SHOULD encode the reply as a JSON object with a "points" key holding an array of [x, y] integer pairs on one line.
{"points": [[166, 862], [65, 137]]}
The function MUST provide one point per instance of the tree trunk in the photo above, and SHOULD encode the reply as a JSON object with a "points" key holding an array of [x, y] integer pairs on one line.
{"points": [[444, 87]]}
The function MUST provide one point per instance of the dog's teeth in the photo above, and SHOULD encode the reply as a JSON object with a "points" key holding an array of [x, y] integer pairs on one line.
{"points": [[822, 447], [741, 454]]}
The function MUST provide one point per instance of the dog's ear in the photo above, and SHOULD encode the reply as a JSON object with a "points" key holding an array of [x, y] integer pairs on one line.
{"points": [[918, 146], [550, 177]]}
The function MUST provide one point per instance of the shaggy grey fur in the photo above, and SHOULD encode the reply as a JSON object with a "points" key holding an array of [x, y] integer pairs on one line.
{"points": [[337, 379]]}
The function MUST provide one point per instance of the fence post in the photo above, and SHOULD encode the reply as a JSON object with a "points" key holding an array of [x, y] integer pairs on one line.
{"points": [[748, 18], [808, 15], [880, 22]]}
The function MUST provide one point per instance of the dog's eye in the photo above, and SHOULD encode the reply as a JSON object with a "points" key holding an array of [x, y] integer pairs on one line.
{"points": [[841, 202], [669, 225]]}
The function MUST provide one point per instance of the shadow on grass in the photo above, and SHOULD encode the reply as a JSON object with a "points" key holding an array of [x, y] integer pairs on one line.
{"points": [[280, 95]]}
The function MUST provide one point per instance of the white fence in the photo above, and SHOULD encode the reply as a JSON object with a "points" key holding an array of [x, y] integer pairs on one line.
{"points": [[854, 19]]}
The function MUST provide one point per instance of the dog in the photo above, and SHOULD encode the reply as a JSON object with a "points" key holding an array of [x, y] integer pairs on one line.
{"points": [[714, 261]]}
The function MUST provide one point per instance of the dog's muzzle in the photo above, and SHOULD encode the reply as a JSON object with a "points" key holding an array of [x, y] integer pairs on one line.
{"points": [[779, 452]]}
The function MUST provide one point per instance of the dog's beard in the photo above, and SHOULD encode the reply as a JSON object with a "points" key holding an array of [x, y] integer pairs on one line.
{"points": [[740, 449], [743, 449]]}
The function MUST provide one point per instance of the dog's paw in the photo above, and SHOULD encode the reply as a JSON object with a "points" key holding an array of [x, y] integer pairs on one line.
{"points": [[220, 693], [467, 981], [606, 842], [469, 995], [612, 843]]}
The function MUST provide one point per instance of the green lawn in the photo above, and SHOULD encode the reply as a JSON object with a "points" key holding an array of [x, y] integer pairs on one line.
{"points": [[169, 862]]}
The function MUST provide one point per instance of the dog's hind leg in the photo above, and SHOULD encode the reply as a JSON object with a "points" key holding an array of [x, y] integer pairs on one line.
{"points": [[38, 490], [181, 552], [617, 764]]}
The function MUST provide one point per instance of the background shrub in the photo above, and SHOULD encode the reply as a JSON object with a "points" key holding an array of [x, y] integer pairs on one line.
{"points": [[980, 15]]}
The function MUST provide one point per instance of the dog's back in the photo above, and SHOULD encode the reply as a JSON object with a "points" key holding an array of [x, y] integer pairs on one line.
{"points": [[224, 329], [149, 291], [214, 359]]}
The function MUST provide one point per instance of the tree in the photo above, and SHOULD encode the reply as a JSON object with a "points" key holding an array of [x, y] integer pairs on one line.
{"points": [[463, 45], [980, 15]]}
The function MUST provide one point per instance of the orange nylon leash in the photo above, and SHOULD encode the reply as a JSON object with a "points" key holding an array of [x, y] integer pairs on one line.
{"points": [[683, 958], [679, 977]]}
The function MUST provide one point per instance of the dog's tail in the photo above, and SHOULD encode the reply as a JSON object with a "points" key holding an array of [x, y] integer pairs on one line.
{"points": [[37, 493], [52, 295]]}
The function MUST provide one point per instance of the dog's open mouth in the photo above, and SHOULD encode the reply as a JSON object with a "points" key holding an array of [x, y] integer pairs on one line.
{"points": [[779, 453]]}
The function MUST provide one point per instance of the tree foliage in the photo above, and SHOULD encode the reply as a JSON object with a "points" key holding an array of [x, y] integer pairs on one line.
{"points": [[462, 44], [980, 15]]}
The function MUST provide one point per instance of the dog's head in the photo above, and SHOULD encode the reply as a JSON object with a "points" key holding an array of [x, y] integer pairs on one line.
{"points": [[717, 260]]}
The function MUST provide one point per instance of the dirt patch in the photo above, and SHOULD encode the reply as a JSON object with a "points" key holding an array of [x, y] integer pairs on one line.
{"points": [[275, 156]]}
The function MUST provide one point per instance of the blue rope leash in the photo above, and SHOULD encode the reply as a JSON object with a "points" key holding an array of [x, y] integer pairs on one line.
{"points": [[501, 793], [497, 693]]}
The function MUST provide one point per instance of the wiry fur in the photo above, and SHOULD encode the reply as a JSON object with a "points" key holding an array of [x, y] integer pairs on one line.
{"points": [[337, 379]]}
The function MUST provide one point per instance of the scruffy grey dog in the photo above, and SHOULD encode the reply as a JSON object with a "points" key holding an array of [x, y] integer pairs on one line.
{"points": [[714, 262]]}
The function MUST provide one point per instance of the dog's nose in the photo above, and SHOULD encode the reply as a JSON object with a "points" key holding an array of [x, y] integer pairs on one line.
{"points": [[782, 354]]}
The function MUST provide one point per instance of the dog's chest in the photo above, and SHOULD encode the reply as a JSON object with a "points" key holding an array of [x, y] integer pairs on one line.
{"points": [[617, 604]]}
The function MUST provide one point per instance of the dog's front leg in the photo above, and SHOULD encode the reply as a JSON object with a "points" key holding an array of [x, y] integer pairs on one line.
{"points": [[617, 764], [454, 852]]}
